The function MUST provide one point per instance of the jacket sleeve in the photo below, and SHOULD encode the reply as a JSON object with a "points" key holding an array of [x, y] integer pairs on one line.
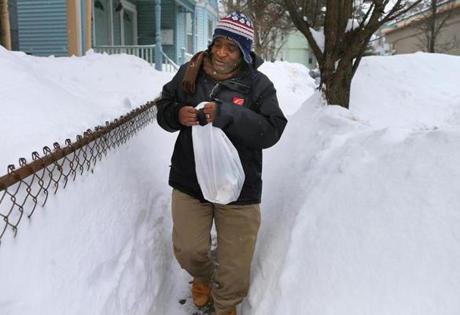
{"points": [[168, 105], [256, 129]]}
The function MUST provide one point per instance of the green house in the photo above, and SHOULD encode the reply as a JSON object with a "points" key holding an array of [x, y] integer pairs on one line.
{"points": [[296, 49]]}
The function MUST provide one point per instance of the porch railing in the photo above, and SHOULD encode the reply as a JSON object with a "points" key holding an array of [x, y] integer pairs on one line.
{"points": [[146, 52], [185, 56], [168, 64]]}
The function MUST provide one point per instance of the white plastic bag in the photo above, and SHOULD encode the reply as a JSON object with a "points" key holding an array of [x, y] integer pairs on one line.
{"points": [[218, 166]]}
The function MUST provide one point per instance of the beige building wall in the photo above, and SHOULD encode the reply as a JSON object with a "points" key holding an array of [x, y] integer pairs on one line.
{"points": [[5, 31], [74, 27], [408, 38]]}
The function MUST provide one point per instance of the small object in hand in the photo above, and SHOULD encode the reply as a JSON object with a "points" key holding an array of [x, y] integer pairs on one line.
{"points": [[201, 117]]}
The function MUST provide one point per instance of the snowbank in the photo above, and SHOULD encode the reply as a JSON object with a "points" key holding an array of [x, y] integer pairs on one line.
{"points": [[408, 91], [44, 100], [364, 220], [292, 82], [102, 245], [360, 207]]}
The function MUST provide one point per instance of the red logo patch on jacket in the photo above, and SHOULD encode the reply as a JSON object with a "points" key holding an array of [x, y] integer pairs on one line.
{"points": [[238, 100]]}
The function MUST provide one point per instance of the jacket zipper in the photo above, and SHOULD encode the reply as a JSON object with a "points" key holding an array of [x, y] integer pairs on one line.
{"points": [[214, 90], [216, 87]]}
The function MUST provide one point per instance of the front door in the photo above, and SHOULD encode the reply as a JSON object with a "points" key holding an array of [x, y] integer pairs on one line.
{"points": [[101, 22], [128, 17], [128, 28]]}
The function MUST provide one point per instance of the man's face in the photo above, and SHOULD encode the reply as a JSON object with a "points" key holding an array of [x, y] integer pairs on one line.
{"points": [[226, 55]]}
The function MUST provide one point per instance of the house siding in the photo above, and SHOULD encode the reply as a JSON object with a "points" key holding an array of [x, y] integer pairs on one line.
{"points": [[200, 16], [168, 20], [42, 27], [205, 12], [296, 49], [181, 35], [202, 28], [409, 38]]}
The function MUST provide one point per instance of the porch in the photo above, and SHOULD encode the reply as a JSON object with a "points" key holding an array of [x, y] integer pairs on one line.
{"points": [[146, 52], [163, 33]]}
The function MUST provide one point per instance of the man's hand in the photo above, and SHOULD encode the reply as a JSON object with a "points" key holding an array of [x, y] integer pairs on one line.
{"points": [[210, 110], [187, 116]]}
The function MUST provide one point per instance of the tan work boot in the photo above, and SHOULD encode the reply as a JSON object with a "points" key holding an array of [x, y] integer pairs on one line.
{"points": [[231, 312], [201, 293]]}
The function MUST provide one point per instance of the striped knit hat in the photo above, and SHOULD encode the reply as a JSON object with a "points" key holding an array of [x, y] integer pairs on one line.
{"points": [[238, 27]]}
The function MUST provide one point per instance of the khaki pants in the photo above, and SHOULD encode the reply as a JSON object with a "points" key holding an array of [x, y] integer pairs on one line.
{"points": [[236, 227]]}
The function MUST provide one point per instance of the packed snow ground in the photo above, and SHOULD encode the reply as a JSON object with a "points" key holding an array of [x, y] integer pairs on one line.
{"points": [[361, 208]]}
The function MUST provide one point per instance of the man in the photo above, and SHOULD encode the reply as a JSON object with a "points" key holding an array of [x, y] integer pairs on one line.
{"points": [[242, 102]]}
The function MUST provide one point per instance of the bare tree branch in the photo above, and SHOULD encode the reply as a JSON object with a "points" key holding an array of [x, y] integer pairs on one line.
{"points": [[271, 23], [344, 46]]}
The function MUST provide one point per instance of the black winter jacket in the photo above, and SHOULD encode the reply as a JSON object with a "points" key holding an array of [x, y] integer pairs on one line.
{"points": [[248, 113]]}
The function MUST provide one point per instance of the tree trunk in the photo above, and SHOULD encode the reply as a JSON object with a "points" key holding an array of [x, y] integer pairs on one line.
{"points": [[338, 84], [432, 37], [343, 48], [5, 39], [257, 46]]}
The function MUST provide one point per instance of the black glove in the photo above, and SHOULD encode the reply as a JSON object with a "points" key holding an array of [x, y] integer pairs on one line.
{"points": [[201, 117]]}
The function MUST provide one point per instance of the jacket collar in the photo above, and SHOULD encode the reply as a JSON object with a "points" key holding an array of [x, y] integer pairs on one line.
{"points": [[194, 67], [256, 60]]}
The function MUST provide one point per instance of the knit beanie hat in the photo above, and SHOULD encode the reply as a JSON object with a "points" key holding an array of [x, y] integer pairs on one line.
{"points": [[238, 27]]}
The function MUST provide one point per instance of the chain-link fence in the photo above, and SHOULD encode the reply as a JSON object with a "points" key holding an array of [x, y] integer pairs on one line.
{"points": [[21, 189]]}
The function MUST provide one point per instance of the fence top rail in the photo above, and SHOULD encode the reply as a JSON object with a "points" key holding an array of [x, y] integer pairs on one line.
{"points": [[23, 188], [51, 156]]}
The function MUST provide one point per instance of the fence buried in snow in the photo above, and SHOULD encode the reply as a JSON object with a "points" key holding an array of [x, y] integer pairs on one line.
{"points": [[22, 188]]}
